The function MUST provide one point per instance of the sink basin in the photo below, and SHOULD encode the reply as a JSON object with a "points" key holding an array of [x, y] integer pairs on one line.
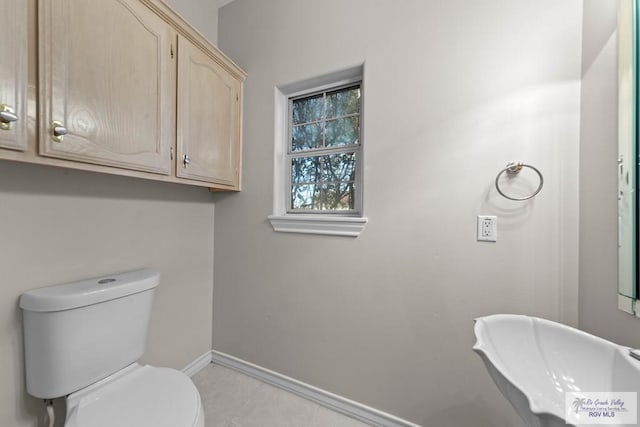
{"points": [[534, 362]]}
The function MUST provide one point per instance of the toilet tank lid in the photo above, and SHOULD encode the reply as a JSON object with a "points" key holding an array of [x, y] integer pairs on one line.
{"points": [[89, 291]]}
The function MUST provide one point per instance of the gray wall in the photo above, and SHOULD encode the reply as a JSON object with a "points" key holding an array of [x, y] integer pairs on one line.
{"points": [[598, 179], [60, 225], [202, 14], [454, 91]]}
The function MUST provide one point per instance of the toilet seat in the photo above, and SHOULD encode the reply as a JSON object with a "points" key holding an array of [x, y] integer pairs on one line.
{"points": [[137, 396]]}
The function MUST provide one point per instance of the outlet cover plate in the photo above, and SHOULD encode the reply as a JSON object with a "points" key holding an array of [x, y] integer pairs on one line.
{"points": [[487, 228]]}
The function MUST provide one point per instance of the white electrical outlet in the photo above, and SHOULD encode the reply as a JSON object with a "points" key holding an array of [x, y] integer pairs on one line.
{"points": [[487, 228]]}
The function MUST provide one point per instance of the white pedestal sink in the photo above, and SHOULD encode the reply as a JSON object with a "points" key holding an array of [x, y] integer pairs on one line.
{"points": [[535, 361]]}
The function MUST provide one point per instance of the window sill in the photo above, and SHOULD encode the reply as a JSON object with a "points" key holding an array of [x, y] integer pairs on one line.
{"points": [[315, 224]]}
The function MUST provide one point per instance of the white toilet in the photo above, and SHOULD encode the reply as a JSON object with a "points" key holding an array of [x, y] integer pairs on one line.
{"points": [[82, 340]]}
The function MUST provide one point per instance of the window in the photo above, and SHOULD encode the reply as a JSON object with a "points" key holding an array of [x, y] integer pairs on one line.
{"points": [[324, 151], [318, 154]]}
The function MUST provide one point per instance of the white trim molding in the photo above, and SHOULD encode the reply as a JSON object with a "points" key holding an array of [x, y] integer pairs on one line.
{"points": [[329, 400], [314, 224], [197, 365], [626, 304]]}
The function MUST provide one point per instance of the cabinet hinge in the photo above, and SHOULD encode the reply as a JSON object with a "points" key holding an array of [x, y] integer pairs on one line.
{"points": [[171, 152], [171, 50]]}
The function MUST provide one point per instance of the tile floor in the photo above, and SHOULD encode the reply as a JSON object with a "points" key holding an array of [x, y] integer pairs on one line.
{"points": [[232, 399]]}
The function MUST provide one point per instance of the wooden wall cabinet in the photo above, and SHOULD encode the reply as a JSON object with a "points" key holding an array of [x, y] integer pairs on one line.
{"points": [[208, 126], [13, 75], [124, 87], [105, 77]]}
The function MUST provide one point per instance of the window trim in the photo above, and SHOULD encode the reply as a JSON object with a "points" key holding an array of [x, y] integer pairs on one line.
{"points": [[330, 223]]}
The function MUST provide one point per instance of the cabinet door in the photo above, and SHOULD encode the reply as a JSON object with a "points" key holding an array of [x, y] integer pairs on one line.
{"points": [[13, 74], [208, 118], [106, 79]]}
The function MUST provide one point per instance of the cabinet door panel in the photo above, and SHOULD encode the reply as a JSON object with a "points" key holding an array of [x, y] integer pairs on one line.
{"points": [[208, 124], [106, 75], [13, 73]]}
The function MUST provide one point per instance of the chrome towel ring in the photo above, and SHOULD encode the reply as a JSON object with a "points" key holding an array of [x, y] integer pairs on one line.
{"points": [[514, 168]]}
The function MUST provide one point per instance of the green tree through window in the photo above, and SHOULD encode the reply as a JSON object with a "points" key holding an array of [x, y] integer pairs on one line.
{"points": [[324, 150]]}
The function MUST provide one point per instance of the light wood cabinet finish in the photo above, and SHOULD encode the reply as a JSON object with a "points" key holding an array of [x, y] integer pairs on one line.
{"points": [[106, 71], [208, 124], [13, 72]]}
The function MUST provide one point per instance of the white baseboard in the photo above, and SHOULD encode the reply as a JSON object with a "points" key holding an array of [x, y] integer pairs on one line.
{"points": [[197, 365], [332, 401]]}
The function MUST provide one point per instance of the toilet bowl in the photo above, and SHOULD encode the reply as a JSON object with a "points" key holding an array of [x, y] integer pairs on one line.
{"points": [[137, 396], [83, 340]]}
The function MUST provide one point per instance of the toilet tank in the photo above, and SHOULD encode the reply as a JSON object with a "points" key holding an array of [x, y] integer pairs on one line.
{"points": [[76, 334]]}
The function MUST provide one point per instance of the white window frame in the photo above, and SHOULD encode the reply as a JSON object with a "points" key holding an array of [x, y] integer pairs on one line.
{"points": [[350, 223], [325, 151]]}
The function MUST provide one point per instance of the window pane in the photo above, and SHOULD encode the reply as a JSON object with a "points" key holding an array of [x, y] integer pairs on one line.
{"points": [[305, 137], [305, 196], [305, 170], [320, 124], [339, 167], [338, 196], [323, 182], [344, 131], [343, 102], [307, 110]]}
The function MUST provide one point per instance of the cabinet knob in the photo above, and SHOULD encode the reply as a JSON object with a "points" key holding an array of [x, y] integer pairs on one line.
{"points": [[7, 115], [58, 131], [186, 160]]}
